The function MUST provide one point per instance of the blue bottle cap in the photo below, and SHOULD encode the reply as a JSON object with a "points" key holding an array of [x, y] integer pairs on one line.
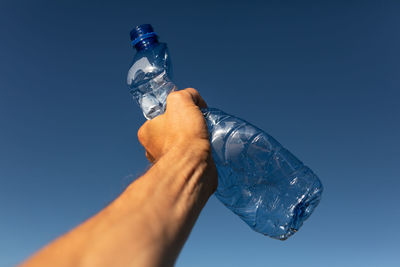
{"points": [[141, 32]]}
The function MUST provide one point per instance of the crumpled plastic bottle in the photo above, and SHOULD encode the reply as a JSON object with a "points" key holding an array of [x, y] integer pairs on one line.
{"points": [[258, 179]]}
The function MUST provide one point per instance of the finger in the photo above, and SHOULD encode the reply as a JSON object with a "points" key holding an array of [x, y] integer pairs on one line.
{"points": [[150, 158], [143, 133], [196, 97]]}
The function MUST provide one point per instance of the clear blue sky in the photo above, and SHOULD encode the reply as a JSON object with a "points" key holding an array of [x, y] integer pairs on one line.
{"points": [[322, 78]]}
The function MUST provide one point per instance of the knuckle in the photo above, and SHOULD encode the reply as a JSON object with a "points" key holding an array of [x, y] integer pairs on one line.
{"points": [[141, 134], [176, 96], [193, 91]]}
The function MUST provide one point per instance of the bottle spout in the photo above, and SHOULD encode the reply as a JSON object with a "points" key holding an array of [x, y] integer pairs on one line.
{"points": [[143, 37]]}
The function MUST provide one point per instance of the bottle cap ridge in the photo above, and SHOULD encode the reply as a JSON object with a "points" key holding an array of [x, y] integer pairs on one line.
{"points": [[141, 32]]}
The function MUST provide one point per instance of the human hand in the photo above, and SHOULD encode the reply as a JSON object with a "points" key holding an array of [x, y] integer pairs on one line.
{"points": [[182, 125]]}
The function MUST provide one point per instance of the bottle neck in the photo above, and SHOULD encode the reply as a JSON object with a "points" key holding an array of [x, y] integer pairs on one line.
{"points": [[146, 43]]}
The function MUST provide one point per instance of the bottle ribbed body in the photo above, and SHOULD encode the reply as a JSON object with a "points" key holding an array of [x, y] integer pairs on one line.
{"points": [[258, 179]]}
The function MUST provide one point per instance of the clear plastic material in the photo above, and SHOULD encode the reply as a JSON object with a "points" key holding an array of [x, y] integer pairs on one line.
{"points": [[148, 79], [258, 179]]}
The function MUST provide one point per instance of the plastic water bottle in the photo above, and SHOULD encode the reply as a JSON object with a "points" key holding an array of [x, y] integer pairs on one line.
{"points": [[258, 179]]}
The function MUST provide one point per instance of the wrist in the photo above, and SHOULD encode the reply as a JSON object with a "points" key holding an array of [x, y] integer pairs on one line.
{"points": [[197, 148], [197, 153], [190, 165]]}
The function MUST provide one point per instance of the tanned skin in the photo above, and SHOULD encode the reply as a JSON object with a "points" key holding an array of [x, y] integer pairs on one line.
{"points": [[150, 221]]}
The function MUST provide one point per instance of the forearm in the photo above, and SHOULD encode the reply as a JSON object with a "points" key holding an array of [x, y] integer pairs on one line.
{"points": [[178, 185], [146, 225]]}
